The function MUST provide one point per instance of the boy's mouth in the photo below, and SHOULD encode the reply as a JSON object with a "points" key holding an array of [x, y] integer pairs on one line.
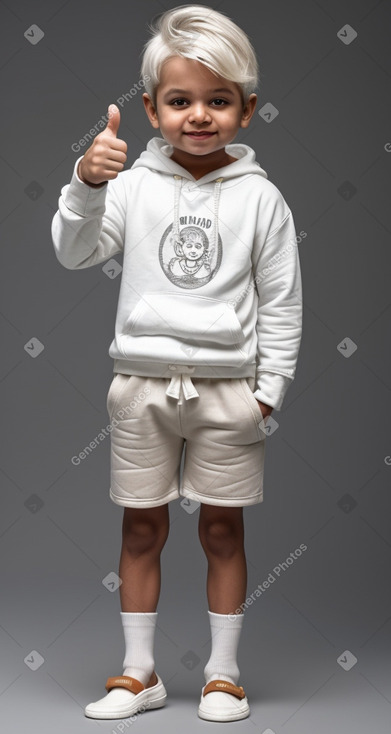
{"points": [[202, 134]]}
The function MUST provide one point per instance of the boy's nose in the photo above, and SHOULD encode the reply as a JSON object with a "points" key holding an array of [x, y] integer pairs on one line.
{"points": [[199, 113]]}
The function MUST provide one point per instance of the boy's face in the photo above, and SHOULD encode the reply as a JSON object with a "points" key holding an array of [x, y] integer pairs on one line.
{"points": [[190, 99]]}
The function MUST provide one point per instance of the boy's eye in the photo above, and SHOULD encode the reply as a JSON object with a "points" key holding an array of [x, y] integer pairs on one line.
{"points": [[186, 101]]}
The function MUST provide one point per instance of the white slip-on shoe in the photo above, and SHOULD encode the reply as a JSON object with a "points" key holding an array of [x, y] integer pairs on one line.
{"points": [[127, 696], [223, 701]]}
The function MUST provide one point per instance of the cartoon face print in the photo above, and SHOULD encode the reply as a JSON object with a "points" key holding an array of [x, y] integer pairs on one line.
{"points": [[193, 247], [188, 260]]}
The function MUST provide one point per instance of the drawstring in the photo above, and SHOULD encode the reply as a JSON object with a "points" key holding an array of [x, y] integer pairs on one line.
{"points": [[183, 379], [216, 201], [178, 186]]}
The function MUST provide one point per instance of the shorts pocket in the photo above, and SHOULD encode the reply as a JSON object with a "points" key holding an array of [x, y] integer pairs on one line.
{"points": [[255, 407], [116, 388]]}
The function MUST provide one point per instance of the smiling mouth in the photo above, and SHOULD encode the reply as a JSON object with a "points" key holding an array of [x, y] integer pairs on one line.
{"points": [[200, 134]]}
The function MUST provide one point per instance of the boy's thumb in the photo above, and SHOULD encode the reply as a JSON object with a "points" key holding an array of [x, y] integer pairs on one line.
{"points": [[114, 120]]}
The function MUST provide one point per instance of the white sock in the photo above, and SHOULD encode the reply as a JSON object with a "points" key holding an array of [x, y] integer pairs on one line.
{"points": [[139, 632], [225, 630]]}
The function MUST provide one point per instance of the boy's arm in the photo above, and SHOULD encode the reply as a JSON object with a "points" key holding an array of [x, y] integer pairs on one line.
{"points": [[279, 321], [89, 225]]}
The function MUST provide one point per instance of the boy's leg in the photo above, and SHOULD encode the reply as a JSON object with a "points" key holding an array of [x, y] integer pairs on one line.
{"points": [[144, 533], [221, 533], [224, 472]]}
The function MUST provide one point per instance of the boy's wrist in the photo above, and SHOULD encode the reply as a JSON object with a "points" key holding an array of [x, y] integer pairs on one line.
{"points": [[88, 183]]}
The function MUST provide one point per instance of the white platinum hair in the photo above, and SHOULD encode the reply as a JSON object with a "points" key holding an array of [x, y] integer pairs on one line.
{"points": [[200, 33]]}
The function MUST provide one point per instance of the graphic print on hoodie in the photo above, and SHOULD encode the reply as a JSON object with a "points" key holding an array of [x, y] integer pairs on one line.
{"points": [[195, 262], [211, 279], [188, 256]]}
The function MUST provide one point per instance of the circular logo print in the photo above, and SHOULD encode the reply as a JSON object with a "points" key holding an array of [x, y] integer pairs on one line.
{"points": [[188, 260]]}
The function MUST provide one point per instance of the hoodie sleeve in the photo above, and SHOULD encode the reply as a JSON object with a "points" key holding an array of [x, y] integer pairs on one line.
{"points": [[279, 322], [89, 225]]}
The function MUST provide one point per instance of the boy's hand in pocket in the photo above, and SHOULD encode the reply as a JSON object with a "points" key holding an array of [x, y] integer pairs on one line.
{"points": [[106, 157], [265, 409]]}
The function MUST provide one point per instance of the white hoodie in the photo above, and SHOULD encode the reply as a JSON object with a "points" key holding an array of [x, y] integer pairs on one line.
{"points": [[211, 282]]}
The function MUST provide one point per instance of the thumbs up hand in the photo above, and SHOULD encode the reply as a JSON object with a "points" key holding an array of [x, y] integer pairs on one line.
{"points": [[114, 120], [106, 157]]}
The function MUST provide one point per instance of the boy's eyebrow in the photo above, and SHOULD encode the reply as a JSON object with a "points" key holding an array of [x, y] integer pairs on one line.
{"points": [[185, 91]]}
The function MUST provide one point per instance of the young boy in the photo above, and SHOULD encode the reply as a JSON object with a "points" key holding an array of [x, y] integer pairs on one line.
{"points": [[207, 332]]}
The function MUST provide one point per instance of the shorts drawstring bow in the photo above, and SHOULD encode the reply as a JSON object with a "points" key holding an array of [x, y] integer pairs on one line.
{"points": [[184, 381]]}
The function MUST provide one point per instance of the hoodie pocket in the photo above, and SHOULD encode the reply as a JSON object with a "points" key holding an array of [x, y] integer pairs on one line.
{"points": [[185, 317]]}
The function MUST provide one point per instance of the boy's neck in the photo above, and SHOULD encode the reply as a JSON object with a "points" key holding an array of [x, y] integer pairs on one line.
{"points": [[199, 166]]}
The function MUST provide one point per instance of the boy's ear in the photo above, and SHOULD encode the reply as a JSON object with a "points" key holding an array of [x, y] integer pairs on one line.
{"points": [[150, 110], [248, 110]]}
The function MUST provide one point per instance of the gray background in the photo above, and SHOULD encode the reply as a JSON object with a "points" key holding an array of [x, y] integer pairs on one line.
{"points": [[327, 476]]}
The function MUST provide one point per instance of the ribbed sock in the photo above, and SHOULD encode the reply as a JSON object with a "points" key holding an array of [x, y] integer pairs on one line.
{"points": [[225, 631], [139, 633]]}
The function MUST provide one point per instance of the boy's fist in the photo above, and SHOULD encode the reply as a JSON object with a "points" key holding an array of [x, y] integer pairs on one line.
{"points": [[106, 157]]}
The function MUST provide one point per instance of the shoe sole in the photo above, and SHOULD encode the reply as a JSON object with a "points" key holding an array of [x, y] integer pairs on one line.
{"points": [[221, 716], [149, 698]]}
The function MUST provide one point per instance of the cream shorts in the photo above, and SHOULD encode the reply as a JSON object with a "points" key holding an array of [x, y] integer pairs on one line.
{"points": [[221, 431]]}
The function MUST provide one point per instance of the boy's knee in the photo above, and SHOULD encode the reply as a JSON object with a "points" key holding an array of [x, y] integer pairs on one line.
{"points": [[144, 531], [220, 537]]}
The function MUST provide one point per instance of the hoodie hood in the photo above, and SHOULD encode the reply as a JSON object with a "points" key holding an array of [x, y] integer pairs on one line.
{"points": [[158, 154], [157, 157]]}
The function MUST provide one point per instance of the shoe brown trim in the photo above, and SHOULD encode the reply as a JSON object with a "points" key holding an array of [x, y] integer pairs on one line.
{"points": [[152, 681], [226, 687], [125, 681]]}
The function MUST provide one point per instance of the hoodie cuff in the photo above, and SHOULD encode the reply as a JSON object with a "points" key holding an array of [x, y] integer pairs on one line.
{"points": [[83, 199], [272, 388]]}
